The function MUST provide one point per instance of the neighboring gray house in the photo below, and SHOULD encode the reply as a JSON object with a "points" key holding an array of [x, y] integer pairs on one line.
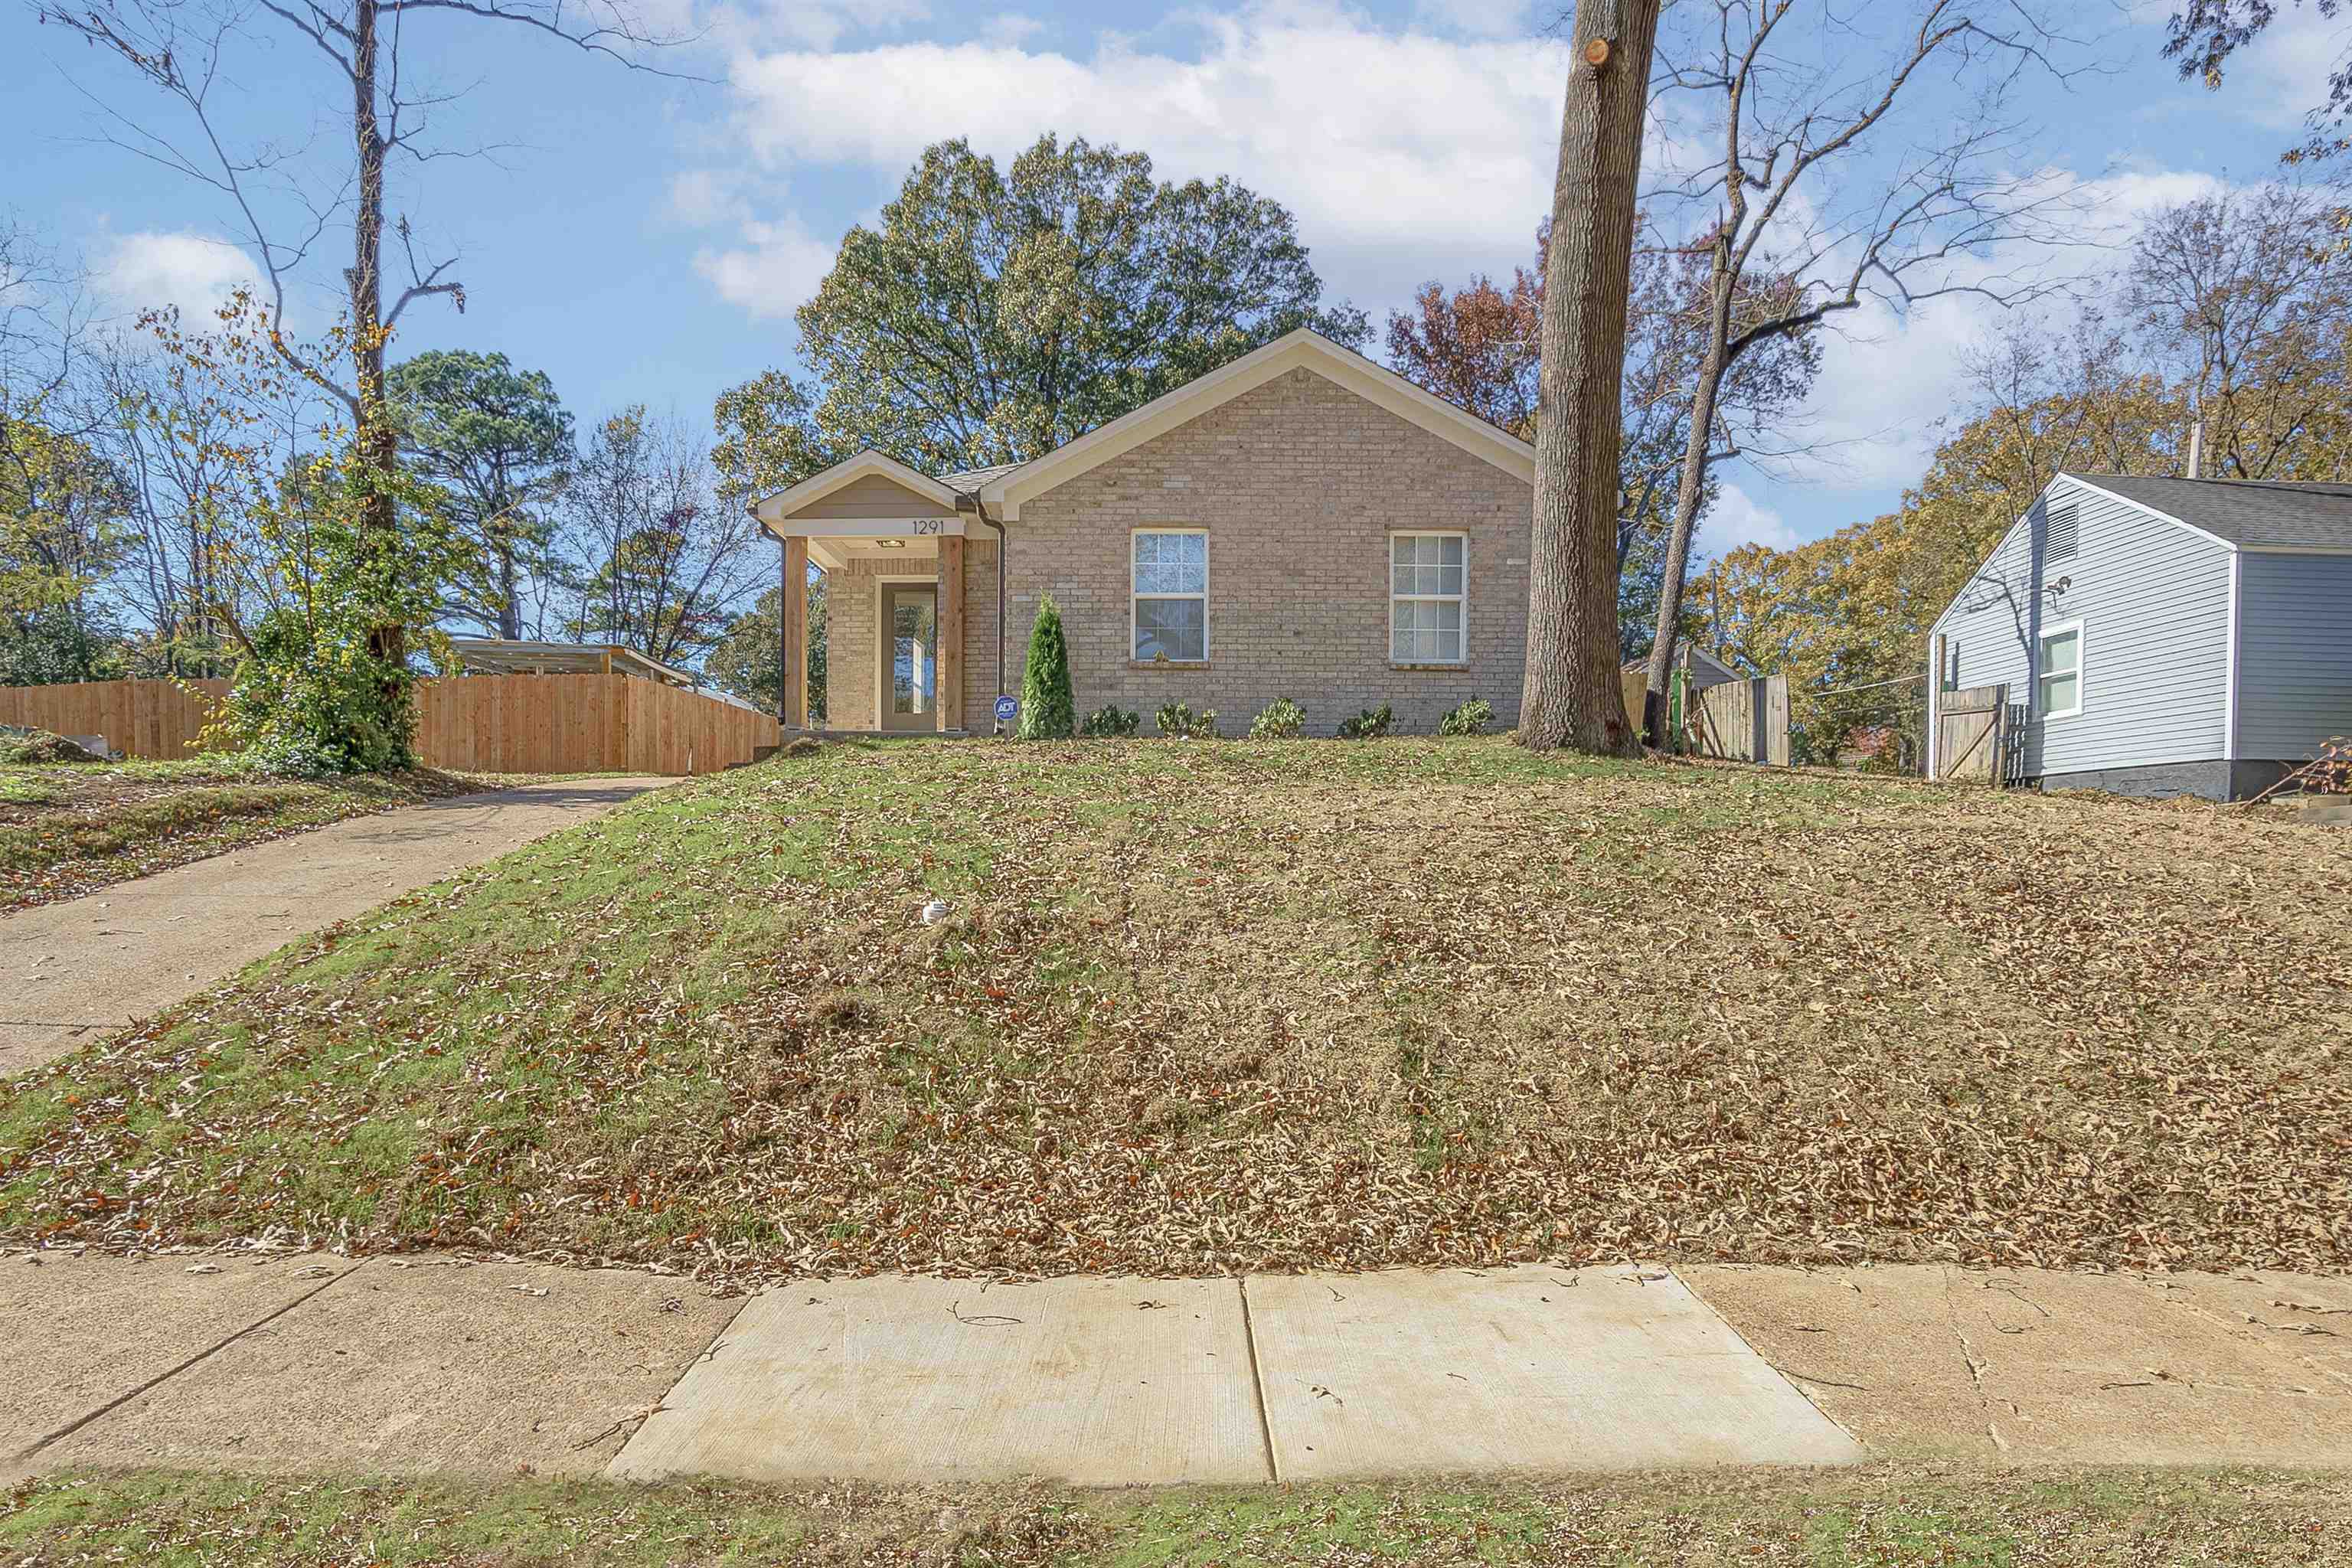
{"points": [[2164, 636]]}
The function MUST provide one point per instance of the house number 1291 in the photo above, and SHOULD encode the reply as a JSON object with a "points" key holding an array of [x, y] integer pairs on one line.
{"points": [[924, 525]]}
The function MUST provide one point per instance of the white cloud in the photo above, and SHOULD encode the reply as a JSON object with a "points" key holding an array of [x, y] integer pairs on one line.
{"points": [[777, 267], [1405, 156], [150, 270], [1010, 28], [702, 198], [1737, 518]]}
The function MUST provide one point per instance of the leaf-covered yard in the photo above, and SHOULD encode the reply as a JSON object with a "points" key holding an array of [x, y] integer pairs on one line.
{"points": [[1205, 1007]]}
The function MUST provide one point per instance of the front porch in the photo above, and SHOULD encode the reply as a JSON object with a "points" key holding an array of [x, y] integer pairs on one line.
{"points": [[891, 545]]}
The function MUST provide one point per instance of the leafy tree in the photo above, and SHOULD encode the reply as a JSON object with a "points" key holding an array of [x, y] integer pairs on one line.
{"points": [[767, 438], [1049, 711], [746, 661], [187, 53], [992, 314], [1477, 347], [61, 533], [493, 440]]}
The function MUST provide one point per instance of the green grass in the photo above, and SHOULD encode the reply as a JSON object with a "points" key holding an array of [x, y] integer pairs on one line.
{"points": [[1885, 1517], [68, 829], [1209, 1007]]}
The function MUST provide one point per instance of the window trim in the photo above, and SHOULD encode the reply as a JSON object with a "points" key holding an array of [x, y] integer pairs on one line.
{"points": [[2082, 665], [1134, 597], [1388, 570]]}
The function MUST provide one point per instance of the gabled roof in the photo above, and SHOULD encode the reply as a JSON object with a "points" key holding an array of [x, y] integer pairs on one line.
{"points": [[969, 480], [1304, 349], [2260, 514], [867, 464]]}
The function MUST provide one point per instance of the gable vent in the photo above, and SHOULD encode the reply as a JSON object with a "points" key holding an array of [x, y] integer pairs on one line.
{"points": [[2065, 534]]}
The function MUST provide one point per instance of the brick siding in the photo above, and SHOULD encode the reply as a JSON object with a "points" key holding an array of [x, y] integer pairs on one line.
{"points": [[1299, 484]]}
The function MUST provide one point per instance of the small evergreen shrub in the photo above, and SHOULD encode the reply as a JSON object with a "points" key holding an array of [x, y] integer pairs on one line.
{"points": [[1471, 718], [1048, 710], [1111, 722], [1369, 725], [1280, 720], [1177, 720]]}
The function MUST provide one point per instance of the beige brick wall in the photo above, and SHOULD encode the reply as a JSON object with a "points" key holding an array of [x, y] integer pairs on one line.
{"points": [[1299, 484]]}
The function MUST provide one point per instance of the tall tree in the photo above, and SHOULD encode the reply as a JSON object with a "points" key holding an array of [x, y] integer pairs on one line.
{"points": [[992, 314], [189, 52], [1479, 347], [2248, 297], [1790, 194], [666, 567], [493, 440], [1572, 693]]}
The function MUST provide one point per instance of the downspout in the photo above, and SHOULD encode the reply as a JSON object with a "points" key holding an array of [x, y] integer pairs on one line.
{"points": [[1003, 550]]}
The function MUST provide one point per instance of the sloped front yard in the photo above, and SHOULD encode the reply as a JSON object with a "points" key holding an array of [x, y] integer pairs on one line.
{"points": [[1204, 1007]]}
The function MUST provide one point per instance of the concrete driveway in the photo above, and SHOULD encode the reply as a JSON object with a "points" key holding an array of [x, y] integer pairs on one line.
{"points": [[74, 970]]}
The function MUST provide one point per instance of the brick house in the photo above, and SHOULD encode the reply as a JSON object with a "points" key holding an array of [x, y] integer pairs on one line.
{"points": [[1300, 523]]}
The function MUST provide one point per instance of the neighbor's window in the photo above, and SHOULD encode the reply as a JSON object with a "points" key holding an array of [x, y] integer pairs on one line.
{"points": [[2060, 670], [1172, 595], [1425, 597]]}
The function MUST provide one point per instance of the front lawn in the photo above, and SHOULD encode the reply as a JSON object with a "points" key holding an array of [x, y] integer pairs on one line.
{"points": [[1882, 1516], [67, 828], [1203, 1008]]}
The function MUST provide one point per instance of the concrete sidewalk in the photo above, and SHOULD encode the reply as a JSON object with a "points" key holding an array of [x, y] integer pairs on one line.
{"points": [[73, 970], [317, 1364]]}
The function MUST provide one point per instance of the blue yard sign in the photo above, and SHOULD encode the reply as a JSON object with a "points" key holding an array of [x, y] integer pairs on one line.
{"points": [[1007, 710]]}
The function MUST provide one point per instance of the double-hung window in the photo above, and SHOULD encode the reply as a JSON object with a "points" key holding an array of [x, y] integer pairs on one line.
{"points": [[2058, 672], [1427, 593], [1172, 595]]}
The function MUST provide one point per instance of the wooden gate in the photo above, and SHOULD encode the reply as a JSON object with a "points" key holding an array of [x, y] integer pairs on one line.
{"points": [[1747, 721], [1972, 739]]}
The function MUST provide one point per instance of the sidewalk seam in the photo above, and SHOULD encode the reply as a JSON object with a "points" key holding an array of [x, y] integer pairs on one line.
{"points": [[1796, 1381], [1257, 1379], [70, 1428], [708, 1353]]}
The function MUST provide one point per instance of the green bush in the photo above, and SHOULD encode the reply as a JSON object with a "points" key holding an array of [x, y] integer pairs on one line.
{"points": [[1048, 711], [1279, 719], [1369, 725], [1110, 722], [1177, 720], [1471, 718]]}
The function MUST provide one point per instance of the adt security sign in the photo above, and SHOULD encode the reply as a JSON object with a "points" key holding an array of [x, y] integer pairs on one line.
{"points": [[1007, 710]]}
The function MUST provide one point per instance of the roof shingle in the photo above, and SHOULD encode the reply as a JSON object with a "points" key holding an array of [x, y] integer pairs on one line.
{"points": [[2277, 514]]}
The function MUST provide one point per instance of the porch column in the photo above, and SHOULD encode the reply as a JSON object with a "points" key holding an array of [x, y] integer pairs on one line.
{"points": [[795, 620], [949, 667]]}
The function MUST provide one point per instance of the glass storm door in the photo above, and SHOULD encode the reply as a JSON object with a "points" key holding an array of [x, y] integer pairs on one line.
{"points": [[910, 656]]}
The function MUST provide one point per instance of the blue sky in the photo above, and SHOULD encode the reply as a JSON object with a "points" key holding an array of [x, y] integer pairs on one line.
{"points": [[645, 240]]}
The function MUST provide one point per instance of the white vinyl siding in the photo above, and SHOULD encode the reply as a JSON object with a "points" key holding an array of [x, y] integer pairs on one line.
{"points": [[1170, 580], [2157, 595], [1428, 598]]}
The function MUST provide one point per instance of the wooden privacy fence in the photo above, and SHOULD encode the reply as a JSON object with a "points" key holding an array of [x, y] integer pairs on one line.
{"points": [[1746, 721], [153, 719], [483, 723]]}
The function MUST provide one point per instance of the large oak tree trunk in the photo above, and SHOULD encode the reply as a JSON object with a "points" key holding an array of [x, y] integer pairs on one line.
{"points": [[1573, 695]]}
